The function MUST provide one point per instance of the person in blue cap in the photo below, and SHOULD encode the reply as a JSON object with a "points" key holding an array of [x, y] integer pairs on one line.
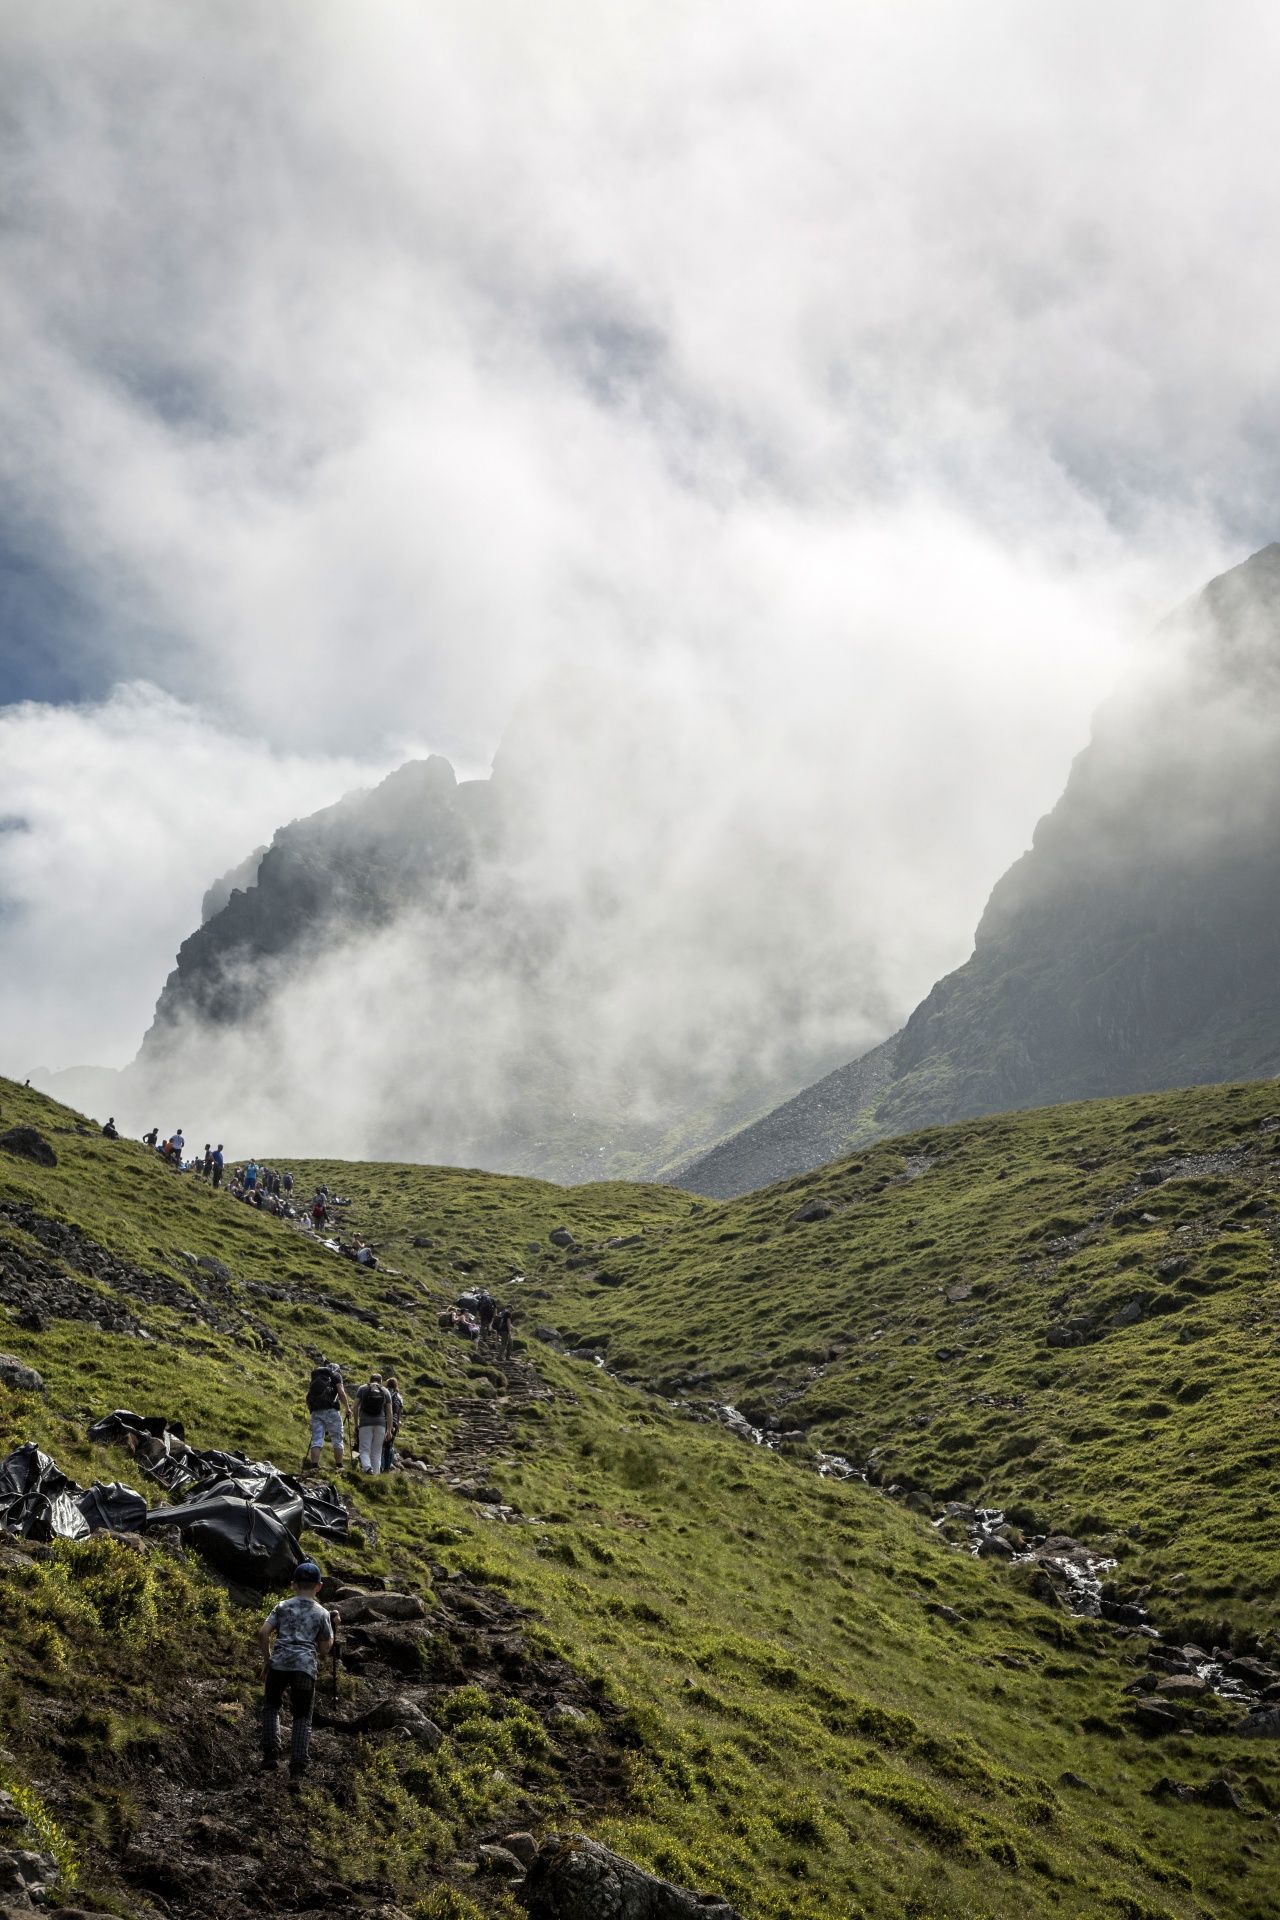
{"points": [[303, 1632]]}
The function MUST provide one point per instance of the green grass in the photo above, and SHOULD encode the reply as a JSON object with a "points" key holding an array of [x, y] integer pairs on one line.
{"points": [[809, 1734]]}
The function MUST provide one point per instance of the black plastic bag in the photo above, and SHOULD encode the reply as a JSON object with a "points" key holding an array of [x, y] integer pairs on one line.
{"points": [[111, 1507], [243, 1539], [37, 1501]]}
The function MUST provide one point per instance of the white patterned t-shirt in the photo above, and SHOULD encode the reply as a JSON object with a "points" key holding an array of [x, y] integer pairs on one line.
{"points": [[299, 1623]]}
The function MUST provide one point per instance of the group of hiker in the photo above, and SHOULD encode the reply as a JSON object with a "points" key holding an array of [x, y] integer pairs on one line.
{"points": [[478, 1316], [376, 1413]]}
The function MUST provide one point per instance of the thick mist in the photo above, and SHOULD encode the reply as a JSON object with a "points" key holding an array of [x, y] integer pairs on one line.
{"points": [[764, 427]]}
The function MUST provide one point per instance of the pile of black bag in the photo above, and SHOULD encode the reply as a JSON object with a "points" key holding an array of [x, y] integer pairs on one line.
{"points": [[38, 1501], [243, 1516]]}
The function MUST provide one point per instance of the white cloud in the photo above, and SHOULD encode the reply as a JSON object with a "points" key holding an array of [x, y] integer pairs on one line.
{"points": [[113, 821], [842, 387]]}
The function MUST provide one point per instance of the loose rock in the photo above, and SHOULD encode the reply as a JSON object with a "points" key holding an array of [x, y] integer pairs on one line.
{"points": [[17, 1374], [574, 1878]]}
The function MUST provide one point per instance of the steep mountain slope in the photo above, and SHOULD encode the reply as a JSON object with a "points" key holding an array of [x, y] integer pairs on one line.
{"points": [[1137, 945], [786, 1688]]}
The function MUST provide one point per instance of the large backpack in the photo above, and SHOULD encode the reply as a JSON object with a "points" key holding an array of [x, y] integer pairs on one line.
{"points": [[375, 1404], [322, 1391]]}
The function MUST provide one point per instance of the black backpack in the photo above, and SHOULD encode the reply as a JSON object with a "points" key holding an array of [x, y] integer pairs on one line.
{"points": [[322, 1393], [375, 1404]]}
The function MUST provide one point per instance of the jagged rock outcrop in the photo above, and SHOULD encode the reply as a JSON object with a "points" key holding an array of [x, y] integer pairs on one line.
{"points": [[1136, 946], [351, 866]]}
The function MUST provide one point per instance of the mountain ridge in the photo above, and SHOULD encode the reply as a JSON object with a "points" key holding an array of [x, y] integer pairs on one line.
{"points": [[1135, 946]]}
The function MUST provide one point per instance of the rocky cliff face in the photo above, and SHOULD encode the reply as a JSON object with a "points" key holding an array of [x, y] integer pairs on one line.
{"points": [[1136, 946], [414, 839]]}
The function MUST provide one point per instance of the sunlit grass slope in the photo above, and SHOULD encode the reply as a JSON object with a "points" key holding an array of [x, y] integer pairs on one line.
{"points": [[833, 1711]]}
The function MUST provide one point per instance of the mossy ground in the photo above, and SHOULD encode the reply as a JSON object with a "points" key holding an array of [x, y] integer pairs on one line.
{"points": [[809, 1733]]}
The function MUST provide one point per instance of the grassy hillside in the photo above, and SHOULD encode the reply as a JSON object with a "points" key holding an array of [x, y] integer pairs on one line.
{"points": [[793, 1691]]}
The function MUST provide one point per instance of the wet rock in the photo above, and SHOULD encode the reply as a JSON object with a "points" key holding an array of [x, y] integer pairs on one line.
{"points": [[18, 1375], [27, 1144], [500, 1860], [1254, 1672], [524, 1847], [574, 1878], [993, 1546]]}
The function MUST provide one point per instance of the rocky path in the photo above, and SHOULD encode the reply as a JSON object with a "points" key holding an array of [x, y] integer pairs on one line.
{"points": [[484, 1428]]}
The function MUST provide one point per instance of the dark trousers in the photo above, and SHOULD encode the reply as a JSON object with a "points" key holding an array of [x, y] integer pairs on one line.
{"points": [[389, 1451], [217, 1176], [301, 1689]]}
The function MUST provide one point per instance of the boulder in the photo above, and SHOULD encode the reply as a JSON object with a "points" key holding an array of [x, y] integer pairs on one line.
{"points": [[561, 1237], [29, 1145], [574, 1878], [994, 1546], [1180, 1686], [392, 1606], [500, 1860], [524, 1847], [399, 1714], [1259, 1726], [812, 1210], [1157, 1720], [18, 1375]]}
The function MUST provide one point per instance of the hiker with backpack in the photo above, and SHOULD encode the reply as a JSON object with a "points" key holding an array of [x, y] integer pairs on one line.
{"points": [[303, 1632], [373, 1417], [326, 1403], [393, 1428], [486, 1307], [502, 1327]]}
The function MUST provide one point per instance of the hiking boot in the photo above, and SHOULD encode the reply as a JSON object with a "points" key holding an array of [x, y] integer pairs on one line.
{"points": [[270, 1761]]}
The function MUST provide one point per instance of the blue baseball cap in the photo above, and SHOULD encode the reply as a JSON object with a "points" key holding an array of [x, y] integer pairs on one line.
{"points": [[308, 1571]]}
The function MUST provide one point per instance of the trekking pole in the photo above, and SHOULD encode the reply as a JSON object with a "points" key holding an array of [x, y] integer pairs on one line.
{"points": [[333, 1655]]}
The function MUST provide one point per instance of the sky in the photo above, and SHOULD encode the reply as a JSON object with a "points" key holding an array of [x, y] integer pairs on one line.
{"points": [[807, 407]]}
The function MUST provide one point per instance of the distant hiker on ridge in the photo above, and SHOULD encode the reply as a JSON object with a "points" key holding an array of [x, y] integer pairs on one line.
{"points": [[150, 1139], [326, 1403], [216, 1164], [110, 1131]]}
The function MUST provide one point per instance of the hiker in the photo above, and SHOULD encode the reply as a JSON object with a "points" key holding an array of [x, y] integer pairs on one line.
{"points": [[326, 1403], [502, 1327], [110, 1131], [150, 1139], [174, 1148], [362, 1255], [397, 1412], [319, 1213], [288, 1186], [251, 1177], [373, 1413], [206, 1162], [216, 1164], [486, 1307], [303, 1630]]}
